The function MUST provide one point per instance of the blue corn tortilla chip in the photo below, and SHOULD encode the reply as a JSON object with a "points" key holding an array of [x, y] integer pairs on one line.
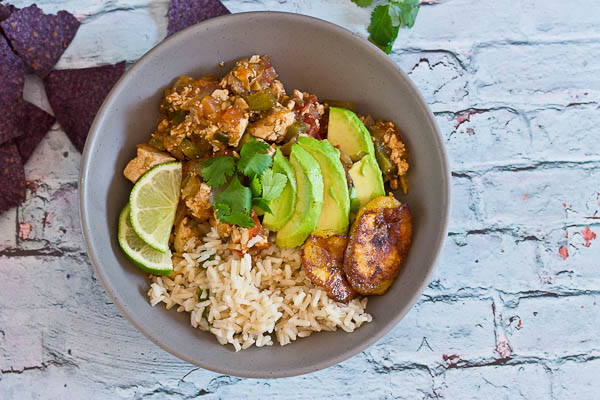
{"points": [[184, 13], [40, 39], [12, 73], [12, 176], [75, 96], [6, 10], [34, 126], [12, 78]]}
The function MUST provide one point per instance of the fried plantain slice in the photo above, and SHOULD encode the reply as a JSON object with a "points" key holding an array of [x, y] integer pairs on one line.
{"points": [[378, 245], [322, 258]]}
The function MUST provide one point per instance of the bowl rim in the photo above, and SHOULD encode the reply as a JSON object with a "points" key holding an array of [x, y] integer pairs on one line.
{"points": [[379, 57]]}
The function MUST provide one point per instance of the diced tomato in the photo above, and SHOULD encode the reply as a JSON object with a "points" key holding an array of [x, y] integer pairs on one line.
{"points": [[232, 115], [323, 124], [257, 225], [210, 108], [309, 114], [269, 74]]}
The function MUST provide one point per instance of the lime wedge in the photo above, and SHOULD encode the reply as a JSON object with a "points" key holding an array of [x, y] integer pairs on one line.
{"points": [[142, 255], [153, 203]]}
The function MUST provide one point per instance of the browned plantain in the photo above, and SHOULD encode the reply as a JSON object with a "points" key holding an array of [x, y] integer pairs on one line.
{"points": [[322, 258], [379, 242]]}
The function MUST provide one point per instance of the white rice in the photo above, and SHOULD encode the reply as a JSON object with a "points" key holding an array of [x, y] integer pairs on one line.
{"points": [[246, 300]]}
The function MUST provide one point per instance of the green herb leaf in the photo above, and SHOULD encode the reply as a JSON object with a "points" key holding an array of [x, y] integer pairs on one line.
{"points": [[236, 196], [362, 3], [254, 158], [273, 184], [408, 12], [233, 204], [255, 186], [387, 19], [240, 218], [262, 204], [217, 170]]}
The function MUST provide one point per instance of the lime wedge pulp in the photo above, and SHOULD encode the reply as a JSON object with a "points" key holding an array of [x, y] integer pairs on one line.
{"points": [[153, 203], [142, 255]]}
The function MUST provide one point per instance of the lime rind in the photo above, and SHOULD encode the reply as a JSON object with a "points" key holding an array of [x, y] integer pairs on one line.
{"points": [[153, 201], [142, 255]]}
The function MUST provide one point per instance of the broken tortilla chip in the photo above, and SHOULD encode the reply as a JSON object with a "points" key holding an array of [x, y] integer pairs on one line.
{"points": [[12, 176], [75, 96], [12, 73], [184, 13], [34, 126], [40, 39], [6, 10]]}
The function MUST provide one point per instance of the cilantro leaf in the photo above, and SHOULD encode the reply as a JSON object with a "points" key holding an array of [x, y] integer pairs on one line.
{"points": [[387, 19], [240, 219], [233, 204], [217, 170], [254, 158], [236, 196], [273, 184], [262, 204], [362, 3], [255, 186]]}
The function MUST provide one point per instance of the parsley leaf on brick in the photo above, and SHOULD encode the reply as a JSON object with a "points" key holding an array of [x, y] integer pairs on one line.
{"points": [[254, 158], [217, 170], [387, 19], [362, 3]]}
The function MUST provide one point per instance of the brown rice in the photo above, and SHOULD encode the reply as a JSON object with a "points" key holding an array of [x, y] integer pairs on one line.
{"points": [[251, 300]]}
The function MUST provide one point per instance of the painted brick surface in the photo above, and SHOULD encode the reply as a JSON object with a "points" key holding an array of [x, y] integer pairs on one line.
{"points": [[513, 309]]}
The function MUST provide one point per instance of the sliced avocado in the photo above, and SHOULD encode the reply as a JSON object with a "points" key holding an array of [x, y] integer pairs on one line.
{"points": [[348, 132], [367, 179], [354, 201], [283, 206], [336, 201], [309, 199]]}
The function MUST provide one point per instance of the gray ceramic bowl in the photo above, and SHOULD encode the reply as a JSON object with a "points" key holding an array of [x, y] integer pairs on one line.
{"points": [[311, 55]]}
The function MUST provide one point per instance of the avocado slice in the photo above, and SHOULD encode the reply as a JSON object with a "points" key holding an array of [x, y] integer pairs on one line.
{"points": [[354, 201], [348, 132], [283, 206], [336, 201], [309, 199], [367, 179]]}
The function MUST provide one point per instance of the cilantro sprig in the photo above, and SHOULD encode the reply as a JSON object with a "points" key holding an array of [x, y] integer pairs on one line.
{"points": [[217, 170], [254, 159], [271, 186], [234, 204], [388, 18]]}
